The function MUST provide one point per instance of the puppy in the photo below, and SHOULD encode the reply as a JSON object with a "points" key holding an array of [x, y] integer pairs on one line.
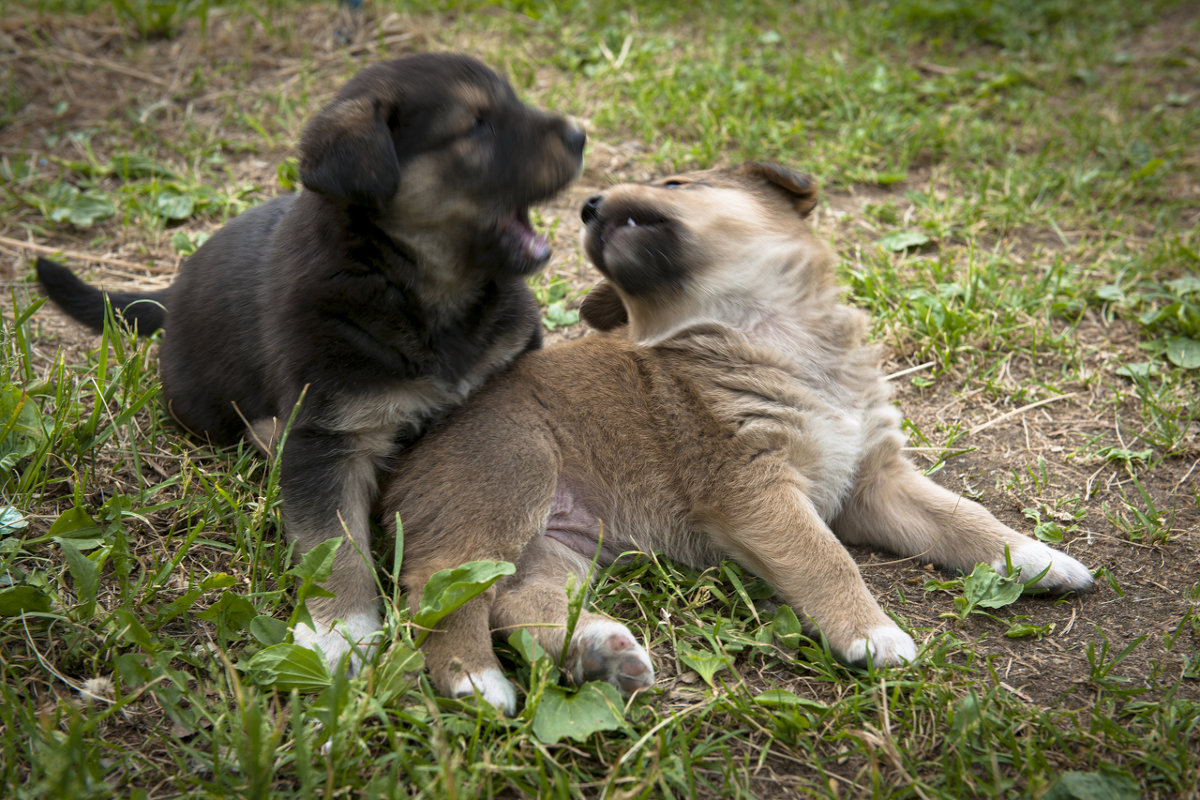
{"points": [[731, 410], [383, 294]]}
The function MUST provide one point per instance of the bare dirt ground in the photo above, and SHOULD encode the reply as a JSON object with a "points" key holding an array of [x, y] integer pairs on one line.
{"points": [[93, 67]]}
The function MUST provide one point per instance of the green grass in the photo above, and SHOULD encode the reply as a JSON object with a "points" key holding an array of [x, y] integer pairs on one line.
{"points": [[1010, 188]]}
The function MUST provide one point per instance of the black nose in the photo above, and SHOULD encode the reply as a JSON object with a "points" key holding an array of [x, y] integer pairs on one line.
{"points": [[574, 137], [591, 209]]}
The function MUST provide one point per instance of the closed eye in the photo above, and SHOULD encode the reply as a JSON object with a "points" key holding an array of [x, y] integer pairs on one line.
{"points": [[481, 126]]}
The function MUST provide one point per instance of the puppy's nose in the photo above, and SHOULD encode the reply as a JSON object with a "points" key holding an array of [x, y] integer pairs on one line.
{"points": [[574, 137], [591, 208]]}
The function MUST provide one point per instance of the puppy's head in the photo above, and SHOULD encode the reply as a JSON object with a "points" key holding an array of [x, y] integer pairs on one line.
{"points": [[700, 246], [438, 150]]}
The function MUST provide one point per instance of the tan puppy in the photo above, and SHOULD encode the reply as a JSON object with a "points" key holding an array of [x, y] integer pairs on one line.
{"points": [[731, 411]]}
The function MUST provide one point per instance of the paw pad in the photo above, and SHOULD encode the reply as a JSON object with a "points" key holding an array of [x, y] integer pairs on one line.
{"points": [[607, 651]]}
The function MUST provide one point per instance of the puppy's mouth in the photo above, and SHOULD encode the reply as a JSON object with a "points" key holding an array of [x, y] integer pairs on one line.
{"points": [[631, 221], [519, 238], [634, 244]]}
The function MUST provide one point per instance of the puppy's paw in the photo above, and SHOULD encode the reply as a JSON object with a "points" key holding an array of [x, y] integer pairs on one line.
{"points": [[490, 685], [1030, 557], [887, 645], [605, 650], [358, 635]]}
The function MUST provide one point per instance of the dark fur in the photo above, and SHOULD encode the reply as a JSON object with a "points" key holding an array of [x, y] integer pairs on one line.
{"points": [[386, 291]]}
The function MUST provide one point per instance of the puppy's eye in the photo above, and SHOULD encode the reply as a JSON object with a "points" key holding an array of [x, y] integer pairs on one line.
{"points": [[482, 126], [672, 184]]}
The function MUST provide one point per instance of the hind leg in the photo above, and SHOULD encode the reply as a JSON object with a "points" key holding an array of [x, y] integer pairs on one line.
{"points": [[460, 655], [458, 651], [897, 508], [492, 519], [536, 599]]}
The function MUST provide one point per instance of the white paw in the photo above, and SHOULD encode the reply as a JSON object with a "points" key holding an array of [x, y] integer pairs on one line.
{"points": [[358, 634], [1030, 557], [605, 650], [491, 685], [888, 646]]}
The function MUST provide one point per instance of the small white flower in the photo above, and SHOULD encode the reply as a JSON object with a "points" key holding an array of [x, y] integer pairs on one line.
{"points": [[99, 688]]}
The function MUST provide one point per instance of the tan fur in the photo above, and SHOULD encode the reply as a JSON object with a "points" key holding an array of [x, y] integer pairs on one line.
{"points": [[731, 410]]}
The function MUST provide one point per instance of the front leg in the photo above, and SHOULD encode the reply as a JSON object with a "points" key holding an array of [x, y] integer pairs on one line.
{"points": [[328, 481], [778, 534]]}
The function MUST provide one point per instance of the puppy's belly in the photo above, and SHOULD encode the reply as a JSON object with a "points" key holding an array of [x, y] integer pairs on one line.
{"points": [[573, 524]]}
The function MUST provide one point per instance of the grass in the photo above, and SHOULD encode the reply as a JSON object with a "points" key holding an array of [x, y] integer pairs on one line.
{"points": [[1011, 188]]}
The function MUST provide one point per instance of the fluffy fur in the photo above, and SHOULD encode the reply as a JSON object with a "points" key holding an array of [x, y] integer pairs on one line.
{"points": [[730, 409], [383, 294]]}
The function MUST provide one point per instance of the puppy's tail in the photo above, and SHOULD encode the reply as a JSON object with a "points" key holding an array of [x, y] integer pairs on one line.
{"points": [[141, 311]]}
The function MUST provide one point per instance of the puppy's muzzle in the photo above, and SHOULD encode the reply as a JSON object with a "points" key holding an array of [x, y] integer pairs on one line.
{"points": [[574, 138], [591, 208]]}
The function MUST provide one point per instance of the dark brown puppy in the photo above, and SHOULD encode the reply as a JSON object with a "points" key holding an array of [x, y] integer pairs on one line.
{"points": [[731, 411], [388, 290]]}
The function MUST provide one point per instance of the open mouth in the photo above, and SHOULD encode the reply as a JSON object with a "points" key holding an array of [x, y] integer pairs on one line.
{"points": [[633, 243], [627, 220], [518, 233]]}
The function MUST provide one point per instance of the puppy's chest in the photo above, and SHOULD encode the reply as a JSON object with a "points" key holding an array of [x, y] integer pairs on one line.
{"points": [[820, 431], [398, 414], [407, 401], [406, 408]]}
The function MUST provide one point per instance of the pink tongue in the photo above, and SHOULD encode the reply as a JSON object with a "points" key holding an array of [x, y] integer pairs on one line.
{"points": [[534, 245]]}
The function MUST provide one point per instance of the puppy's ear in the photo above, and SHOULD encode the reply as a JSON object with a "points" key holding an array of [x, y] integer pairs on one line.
{"points": [[602, 308], [346, 153], [801, 188]]}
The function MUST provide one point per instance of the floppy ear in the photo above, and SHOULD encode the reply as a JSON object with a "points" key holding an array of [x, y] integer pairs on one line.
{"points": [[801, 188], [602, 308], [346, 153]]}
